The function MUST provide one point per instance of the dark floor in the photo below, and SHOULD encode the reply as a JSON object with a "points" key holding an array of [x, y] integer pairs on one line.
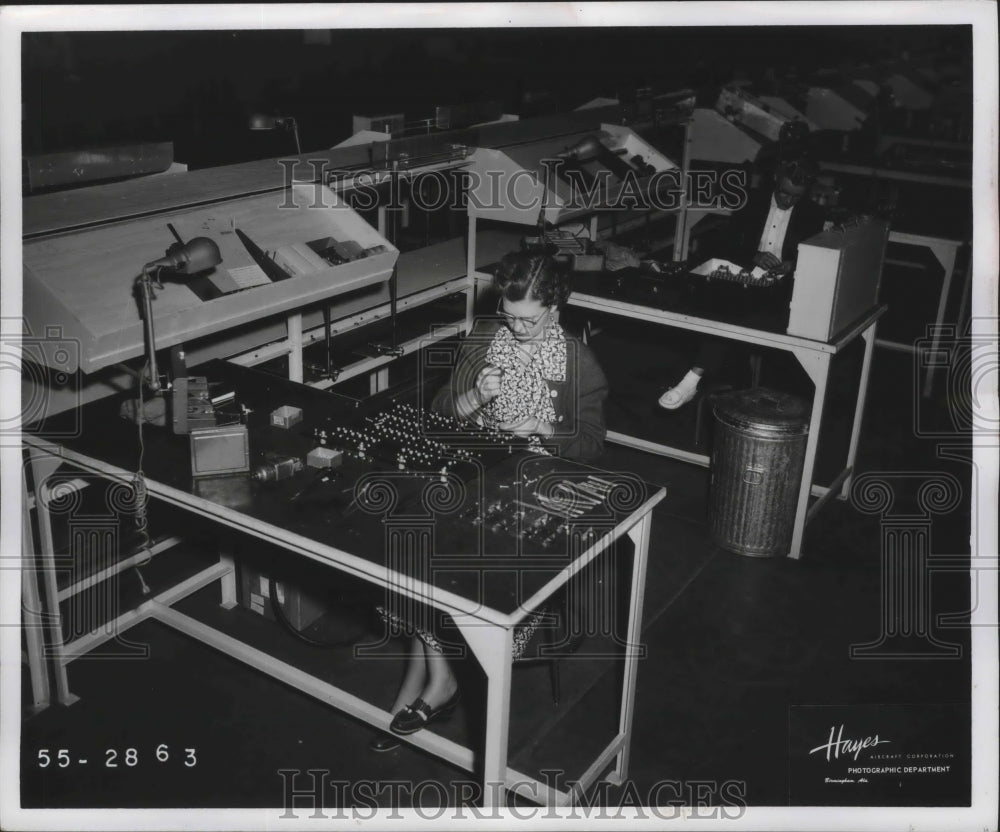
{"points": [[738, 650]]}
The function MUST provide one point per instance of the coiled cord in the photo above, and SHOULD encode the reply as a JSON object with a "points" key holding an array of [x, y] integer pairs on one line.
{"points": [[141, 518]]}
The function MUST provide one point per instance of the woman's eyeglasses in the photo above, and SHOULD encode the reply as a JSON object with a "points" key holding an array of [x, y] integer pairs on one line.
{"points": [[510, 320]]}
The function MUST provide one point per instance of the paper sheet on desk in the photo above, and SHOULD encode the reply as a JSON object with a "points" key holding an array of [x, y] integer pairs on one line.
{"points": [[238, 278], [718, 264]]}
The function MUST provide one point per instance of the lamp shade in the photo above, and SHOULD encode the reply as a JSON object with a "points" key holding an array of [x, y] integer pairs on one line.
{"points": [[194, 256], [584, 150], [259, 121]]}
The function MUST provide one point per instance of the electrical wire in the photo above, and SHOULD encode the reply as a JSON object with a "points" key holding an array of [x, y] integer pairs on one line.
{"points": [[139, 487], [282, 617]]}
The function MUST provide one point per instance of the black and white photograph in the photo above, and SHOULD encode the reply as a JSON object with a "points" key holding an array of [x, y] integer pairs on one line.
{"points": [[546, 415]]}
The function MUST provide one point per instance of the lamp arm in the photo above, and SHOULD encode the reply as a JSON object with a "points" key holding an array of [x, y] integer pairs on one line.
{"points": [[147, 313]]}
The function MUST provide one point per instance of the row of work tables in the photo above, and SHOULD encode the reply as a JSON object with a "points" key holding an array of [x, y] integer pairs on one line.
{"points": [[360, 543]]}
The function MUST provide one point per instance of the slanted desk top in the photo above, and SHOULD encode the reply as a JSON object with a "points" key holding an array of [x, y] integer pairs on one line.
{"points": [[83, 281]]}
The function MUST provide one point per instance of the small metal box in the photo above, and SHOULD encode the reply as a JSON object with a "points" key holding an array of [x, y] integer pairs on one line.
{"points": [[217, 451], [325, 458], [286, 416]]}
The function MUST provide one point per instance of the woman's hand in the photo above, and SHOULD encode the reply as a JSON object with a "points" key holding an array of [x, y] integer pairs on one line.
{"points": [[529, 426], [487, 385], [485, 388]]}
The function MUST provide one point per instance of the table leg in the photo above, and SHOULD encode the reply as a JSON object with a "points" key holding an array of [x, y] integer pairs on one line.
{"points": [[470, 271], [964, 303], [378, 381], [633, 650], [493, 647], [295, 347], [33, 622], [32, 615], [42, 466], [682, 233], [946, 254], [227, 584], [817, 366], [859, 410]]}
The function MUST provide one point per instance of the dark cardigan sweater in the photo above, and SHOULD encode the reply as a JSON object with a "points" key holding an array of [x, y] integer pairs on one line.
{"points": [[578, 401]]}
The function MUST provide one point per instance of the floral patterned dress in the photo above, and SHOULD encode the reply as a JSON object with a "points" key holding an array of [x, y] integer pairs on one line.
{"points": [[524, 389]]}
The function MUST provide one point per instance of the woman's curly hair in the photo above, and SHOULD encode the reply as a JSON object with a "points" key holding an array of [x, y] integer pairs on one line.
{"points": [[532, 275]]}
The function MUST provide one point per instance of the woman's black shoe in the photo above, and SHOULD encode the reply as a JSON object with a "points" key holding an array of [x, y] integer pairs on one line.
{"points": [[419, 715], [384, 742]]}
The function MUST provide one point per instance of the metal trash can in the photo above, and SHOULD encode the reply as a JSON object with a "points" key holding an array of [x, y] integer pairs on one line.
{"points": [[756, 469]]}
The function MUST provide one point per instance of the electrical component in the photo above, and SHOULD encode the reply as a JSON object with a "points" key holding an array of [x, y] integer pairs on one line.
{"points": [[280, 470], [412, 439], [544, 518], [192, 394]]}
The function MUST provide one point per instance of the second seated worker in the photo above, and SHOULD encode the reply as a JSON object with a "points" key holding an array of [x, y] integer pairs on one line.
{"points": [[765, 233], [519, 372]]}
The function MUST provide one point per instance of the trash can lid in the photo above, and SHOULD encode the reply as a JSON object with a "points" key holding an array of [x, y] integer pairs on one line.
{"points": [[762, 409]]}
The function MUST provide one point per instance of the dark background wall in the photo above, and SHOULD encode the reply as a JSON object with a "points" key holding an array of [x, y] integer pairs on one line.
{"points": [[197, 88]]}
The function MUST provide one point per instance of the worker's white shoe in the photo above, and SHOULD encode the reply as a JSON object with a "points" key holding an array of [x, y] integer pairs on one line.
{"points": [[680, 395]]}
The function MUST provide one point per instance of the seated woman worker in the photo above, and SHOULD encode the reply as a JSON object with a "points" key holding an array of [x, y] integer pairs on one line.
{"points": [[522, 373], [519, 372]]}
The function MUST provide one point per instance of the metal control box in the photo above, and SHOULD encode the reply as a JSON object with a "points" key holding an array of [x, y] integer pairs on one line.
{"points": [[300, 607], [217, 451], [837, 279]]}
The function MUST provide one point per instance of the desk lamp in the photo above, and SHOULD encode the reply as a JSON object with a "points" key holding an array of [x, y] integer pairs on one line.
{"points": [[586, 149], [184, 259], [259, 121], [591, 148]]}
